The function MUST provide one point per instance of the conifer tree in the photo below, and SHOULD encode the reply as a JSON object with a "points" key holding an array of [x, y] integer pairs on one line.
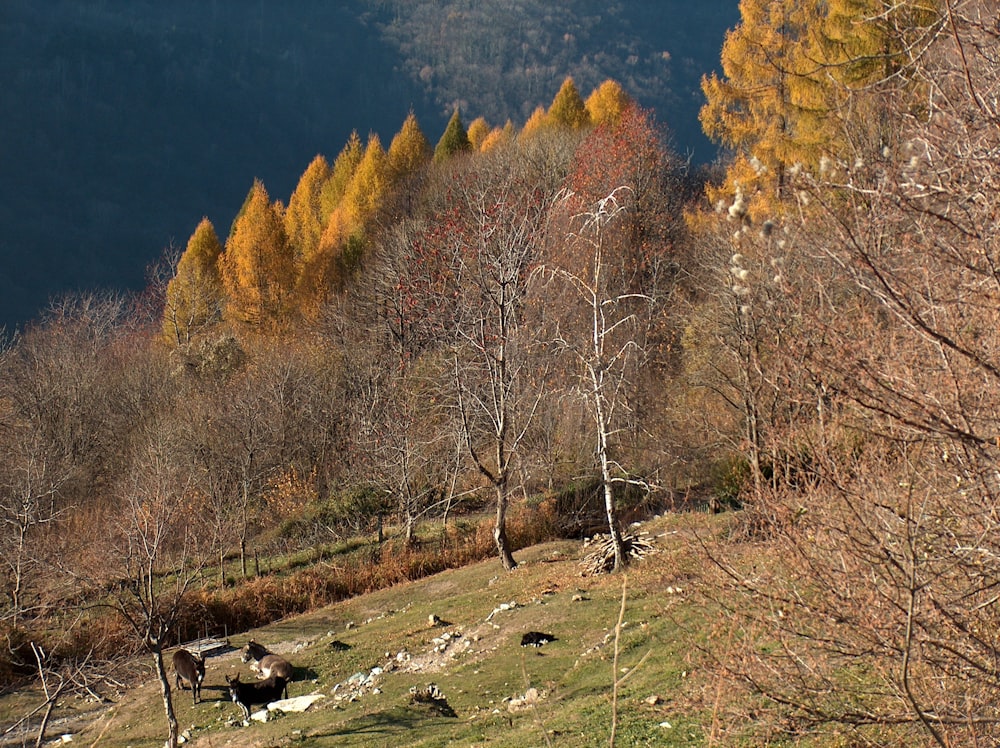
{"points": [[409, 149], [567, 109], [304, 216], [756, 107], [257, 265], [860, 46], [479, 128], [537, 122], [606, 103], [454, 140], [367, 188], [343, 169], [194, 294]]}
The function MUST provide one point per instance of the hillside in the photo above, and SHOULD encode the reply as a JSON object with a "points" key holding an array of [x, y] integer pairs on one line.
{"points": [[474, 658], [126, 123]]}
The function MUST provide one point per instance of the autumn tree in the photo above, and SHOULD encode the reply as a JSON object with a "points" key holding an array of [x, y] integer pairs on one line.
{"points": [[304, 218], [409, 149], [607, 103], [341, 173], [479, 128], [411, 295], [609, 261], [536, 122], [498, 136], [755, 106], [194, 295], [257, 266], [454, 140], [567, 108]]}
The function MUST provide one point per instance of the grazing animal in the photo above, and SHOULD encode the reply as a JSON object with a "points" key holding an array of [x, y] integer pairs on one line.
{"points": [[189, 668], [266, 663], [264, 691], [536, 639]]}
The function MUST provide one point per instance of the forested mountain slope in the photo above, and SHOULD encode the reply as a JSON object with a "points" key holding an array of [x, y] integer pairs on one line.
{"points": [[125, 123]]}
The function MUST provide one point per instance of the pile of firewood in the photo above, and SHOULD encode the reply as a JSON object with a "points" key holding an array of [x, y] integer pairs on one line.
{"points": [[601, 559]]}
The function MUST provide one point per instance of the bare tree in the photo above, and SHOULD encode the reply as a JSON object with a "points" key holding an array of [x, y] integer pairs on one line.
{"points": [[599, 327], [502, 214], [158, 556], [893, 292]]}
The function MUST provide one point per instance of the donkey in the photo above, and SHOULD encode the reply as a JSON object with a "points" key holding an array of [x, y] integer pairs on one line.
{"points": [[189, 668], [265, 662], [264, 691]]}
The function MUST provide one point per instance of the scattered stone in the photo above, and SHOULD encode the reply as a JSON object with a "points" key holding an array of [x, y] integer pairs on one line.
{"points": [[503, 607], [436, 621], [526, 701], [653, 700]]}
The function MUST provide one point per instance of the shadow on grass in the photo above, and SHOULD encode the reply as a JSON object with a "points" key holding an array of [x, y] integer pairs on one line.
{"points": [[395, 721]]}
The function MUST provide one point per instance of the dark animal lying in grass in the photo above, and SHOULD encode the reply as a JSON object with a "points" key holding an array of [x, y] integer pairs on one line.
{"points": [[264, 692], [265, 662], [189, 668], [536, 639]]}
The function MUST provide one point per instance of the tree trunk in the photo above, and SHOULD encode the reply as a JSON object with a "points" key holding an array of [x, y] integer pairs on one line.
{"points": [[500, 530], [168, 702], [609, 496]]}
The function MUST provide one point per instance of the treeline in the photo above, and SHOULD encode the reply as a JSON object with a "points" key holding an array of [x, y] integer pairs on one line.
{"points": [[513, 313]]}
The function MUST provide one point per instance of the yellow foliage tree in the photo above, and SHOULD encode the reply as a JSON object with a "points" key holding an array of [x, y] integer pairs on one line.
{"points": [[606, 104], [409, 149], [537, 122], [343, 170], [367, 188], [304, 216], [756, 106], [194, 294], [257, 268], [479, 128], [567, 109]]}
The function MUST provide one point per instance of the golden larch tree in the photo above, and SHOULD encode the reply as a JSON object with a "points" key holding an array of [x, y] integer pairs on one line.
{"points": [[194, 294], [606, 103], [756, 107], [409, 149], [567, 109], [343, 169], [257, 267], [304, 217], [479, 128]]}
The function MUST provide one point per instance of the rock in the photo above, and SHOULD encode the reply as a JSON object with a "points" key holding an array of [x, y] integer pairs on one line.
{"points": [[296, 704]]}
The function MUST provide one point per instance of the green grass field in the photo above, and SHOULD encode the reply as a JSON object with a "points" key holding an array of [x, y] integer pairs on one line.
{"points": [[501, 694]]}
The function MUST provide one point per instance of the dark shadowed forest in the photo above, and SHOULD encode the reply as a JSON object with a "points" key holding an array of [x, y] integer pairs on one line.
{"points": [[125, 123]]}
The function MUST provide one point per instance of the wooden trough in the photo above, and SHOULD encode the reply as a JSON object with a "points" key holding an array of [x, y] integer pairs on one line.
{"points": [[208, 646]]}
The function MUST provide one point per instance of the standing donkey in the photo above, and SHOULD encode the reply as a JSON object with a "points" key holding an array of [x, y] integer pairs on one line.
{"points": [[189, 668]]}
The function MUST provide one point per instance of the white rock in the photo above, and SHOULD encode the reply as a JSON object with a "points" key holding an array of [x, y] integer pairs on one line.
{"points": [[295, 704]]}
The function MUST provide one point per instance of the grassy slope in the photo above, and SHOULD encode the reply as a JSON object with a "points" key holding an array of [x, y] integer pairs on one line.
{"points": [[481, 670]]}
